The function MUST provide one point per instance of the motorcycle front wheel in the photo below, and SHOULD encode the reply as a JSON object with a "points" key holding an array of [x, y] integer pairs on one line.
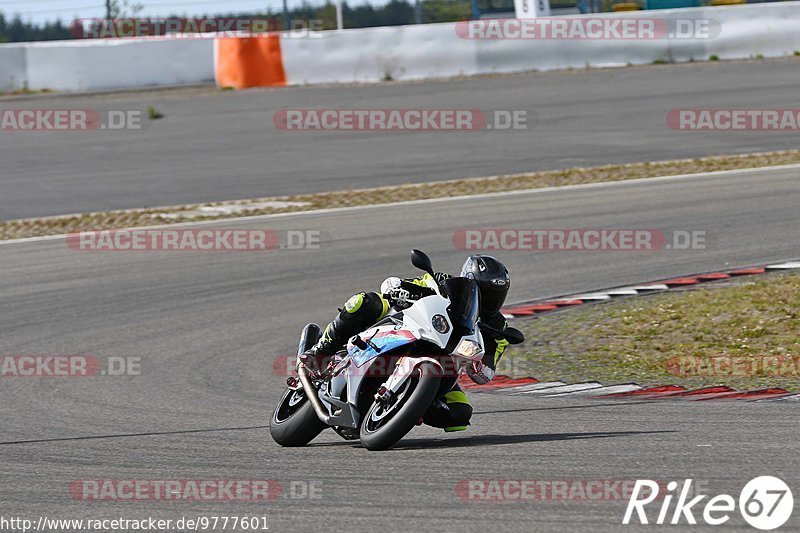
{"points": [[385, 423]]}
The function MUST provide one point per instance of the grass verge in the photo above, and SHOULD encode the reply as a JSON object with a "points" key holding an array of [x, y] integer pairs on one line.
{"points": [[744, 334], [36, 227]]}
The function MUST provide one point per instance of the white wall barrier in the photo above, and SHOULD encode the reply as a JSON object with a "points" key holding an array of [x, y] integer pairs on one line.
{"points": [[771, 30], [378, 54], [436, 50], [100, 64], [12, 67], [397, 52]]}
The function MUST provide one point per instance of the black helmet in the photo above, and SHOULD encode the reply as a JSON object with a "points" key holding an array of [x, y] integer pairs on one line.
{"points": [[493, 280]]}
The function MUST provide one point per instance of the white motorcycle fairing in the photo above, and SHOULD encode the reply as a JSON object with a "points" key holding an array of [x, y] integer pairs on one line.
{"points": [[427, 320]]}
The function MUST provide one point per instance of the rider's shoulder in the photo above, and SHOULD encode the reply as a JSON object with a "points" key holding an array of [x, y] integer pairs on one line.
{"points": [[495, 320]]}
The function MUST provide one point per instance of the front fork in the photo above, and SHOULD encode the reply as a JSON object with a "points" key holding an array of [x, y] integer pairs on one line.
{"points": [[403, 370]]}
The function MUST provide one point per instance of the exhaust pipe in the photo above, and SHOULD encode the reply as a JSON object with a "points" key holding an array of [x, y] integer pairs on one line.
{"points": [[311, 392]]}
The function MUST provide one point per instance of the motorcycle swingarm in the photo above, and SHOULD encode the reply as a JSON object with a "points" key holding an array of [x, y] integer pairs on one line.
{"points": [[347, 417]]}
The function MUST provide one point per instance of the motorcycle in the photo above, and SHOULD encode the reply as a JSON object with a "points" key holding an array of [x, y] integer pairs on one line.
{"points": [[381, 386]]}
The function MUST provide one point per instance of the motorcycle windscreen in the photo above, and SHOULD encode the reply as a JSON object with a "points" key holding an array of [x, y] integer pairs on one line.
{"points": [[464, 304], [384, 341]]}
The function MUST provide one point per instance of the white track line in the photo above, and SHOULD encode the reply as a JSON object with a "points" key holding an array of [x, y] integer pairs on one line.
{"points": [[574, 387], [784, 266], [651, 287], [577, 389], [613, 389], [593, 296], [542, 190], [533, 386], [625, 291]]}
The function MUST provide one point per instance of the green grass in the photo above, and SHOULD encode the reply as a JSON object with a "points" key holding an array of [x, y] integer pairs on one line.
{"points": [[642, 338], [153, 113]]}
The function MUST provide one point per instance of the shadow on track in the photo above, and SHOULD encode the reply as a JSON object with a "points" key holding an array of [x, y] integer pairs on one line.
{"points": [[126, 435], [582, 406], [486, 440], [495, 440]]}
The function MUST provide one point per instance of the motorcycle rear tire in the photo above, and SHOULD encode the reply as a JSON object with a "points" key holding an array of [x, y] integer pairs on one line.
{"points": [[299, 428]]}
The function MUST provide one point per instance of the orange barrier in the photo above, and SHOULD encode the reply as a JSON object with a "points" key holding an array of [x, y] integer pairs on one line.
{"points": [[250, 62]]}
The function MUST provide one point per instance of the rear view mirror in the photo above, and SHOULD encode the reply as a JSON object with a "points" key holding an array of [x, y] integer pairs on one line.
{"points": [[421, 260]]}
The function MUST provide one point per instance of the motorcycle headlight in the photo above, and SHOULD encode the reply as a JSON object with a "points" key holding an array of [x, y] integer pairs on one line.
{"points": [[468, 348], [440, 324]]}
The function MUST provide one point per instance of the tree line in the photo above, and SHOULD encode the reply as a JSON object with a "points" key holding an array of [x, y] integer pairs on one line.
{"points": [[394, 13]]}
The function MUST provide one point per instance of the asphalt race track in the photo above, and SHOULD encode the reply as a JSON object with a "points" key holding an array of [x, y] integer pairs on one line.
{"points": [[208, 326], [215, 146]]}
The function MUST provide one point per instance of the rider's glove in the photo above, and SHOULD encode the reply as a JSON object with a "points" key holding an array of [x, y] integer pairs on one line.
{"points": [[480, 373], [389, 284], [400, 298], [441, 277], [402, 294]]}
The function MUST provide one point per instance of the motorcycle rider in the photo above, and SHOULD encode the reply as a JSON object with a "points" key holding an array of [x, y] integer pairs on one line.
{"points": [[452, 411]]}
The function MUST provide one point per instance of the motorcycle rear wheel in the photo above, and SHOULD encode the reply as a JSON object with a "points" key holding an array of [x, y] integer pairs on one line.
{"points": [[294, 421]]}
